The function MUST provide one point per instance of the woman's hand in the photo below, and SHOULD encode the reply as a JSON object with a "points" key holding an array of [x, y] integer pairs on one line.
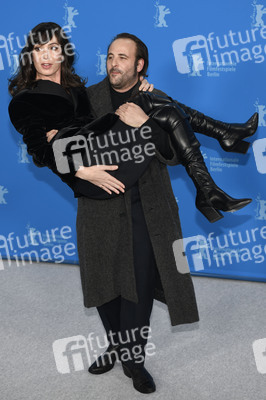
{"points": [[51, 134], [131, 114], [145, 85], [97, 175]]}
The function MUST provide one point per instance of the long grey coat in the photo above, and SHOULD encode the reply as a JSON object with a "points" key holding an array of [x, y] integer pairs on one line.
{"points": [[104, 233]]}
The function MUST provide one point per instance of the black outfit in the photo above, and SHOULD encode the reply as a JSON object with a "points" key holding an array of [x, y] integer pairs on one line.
{"points": [[104, 228], [117, 100], [128, 171], [121, 315], [44, 106], [41, 108]]}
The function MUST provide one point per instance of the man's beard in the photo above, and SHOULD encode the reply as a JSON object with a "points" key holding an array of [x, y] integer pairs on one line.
{"points": [[122, 80]]}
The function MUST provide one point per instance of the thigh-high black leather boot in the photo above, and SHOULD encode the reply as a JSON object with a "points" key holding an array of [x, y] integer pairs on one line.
{"points": [[210, 199], [229, 135]]}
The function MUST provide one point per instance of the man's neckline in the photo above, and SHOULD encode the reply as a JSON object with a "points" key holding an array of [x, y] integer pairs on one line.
{"points": [[123, 93]]}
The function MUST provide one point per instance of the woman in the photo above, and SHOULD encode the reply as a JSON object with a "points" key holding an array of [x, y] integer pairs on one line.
{"points": [[41, 105]]}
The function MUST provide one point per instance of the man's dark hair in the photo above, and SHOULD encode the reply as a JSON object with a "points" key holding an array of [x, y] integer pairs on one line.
{"points": [[141, 50]]}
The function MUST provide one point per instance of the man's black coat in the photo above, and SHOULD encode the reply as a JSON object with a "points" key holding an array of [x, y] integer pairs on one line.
{"points": [[105, 237]]}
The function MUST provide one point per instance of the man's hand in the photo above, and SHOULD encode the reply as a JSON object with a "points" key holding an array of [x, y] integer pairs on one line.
{"points": [[132, 115], [145, 85], [51, 134], [99, 177]]}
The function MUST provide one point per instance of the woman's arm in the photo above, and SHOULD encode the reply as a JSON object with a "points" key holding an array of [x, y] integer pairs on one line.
{"points": [[28, 122]]}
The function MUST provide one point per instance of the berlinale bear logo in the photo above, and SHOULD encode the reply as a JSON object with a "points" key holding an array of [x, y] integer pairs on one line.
{"points": [[161, 12]]}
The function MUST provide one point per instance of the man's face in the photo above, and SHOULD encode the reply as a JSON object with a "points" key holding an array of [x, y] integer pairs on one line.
{"points": [[122, 67]]}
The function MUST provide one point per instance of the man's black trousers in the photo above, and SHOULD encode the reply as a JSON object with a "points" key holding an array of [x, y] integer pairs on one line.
{"points": [[121, 315]]}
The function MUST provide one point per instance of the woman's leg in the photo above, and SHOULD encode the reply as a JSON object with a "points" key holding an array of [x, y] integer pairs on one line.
{"points": [[229, 135], [210, 198]]}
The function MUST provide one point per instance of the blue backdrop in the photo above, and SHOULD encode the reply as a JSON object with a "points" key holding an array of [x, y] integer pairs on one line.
{"points": [[209, 56]]}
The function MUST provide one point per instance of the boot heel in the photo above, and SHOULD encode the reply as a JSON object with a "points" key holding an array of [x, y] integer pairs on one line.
{"points": [[210, 213], [242, 147]]}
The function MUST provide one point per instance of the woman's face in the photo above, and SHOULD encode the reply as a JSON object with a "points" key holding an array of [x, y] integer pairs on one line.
{"points": [[47, 60]]}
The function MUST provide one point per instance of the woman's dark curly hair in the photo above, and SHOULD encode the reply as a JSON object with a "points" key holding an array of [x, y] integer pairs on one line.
{"points": [[25, 75]]}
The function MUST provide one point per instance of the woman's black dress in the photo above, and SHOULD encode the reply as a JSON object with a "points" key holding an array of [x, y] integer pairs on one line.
{"points": [[47, 105]]}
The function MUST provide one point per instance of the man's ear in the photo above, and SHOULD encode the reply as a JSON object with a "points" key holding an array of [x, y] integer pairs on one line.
{"points": [[140, 64]]}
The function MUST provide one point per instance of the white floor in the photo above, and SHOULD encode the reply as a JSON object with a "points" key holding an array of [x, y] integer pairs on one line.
{"points": [[213, 359]]}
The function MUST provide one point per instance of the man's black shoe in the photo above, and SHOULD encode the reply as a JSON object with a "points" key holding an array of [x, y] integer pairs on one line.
{"points": [[106, 361], [142, 380]]}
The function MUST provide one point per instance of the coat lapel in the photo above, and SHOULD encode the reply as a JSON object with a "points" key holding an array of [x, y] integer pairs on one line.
{"points": [[100, 98], [135, 90]]}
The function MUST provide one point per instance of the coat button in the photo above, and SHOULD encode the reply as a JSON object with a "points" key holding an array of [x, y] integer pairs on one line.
{"points": [[151, 208], [122, 214]]}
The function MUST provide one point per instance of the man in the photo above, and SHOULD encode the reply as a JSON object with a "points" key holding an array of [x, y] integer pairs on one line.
{"points": [[127, 259], [137, 231]]}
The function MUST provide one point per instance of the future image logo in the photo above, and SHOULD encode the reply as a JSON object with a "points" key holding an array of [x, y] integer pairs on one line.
{"points": [[204, 252], [195, 248], [3, 192], [8, 53], [190, 54], [259, 350], [72, 152], [71, 354], [213, 54], [11, 46], [75, 353], [37, 246], [74, 149], [259, 150]]}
